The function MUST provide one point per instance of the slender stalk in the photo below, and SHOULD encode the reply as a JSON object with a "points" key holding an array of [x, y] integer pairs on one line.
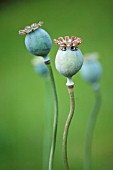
{"points": [[55, 117], [47, 131], [90, 130], [67, 124]]}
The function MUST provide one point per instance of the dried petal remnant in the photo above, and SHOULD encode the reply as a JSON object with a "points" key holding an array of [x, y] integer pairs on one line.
{"points": [[68, 42], [31, 28]]}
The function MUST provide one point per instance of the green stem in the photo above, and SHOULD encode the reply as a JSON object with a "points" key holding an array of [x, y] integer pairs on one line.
{"points": [[66, 128], [47, 131], [90, 129], [55, 117]]}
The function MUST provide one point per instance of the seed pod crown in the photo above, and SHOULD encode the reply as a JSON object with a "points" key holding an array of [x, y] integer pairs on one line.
{"points": [[66, 42]]}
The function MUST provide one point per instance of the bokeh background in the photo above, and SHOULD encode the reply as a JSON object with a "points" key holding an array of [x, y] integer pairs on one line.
{"points": [[23, 106]]}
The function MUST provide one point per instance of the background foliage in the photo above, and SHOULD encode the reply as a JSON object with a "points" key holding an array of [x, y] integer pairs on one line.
{"points": [[22, 91]]}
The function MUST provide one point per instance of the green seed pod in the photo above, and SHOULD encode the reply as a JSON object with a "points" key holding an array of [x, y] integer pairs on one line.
{"points": [[69, 58], [37, 40], [68, 62], [91, 70], [40, 67]]}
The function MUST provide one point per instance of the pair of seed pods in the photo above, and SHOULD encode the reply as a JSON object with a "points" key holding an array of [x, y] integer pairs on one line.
{"points": [[69, 58]]}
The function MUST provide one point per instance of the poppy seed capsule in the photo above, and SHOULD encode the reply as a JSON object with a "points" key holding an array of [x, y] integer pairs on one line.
{"points": [[68, 62], [69, 58], [37, 40], [40, 67], [91, 70]]}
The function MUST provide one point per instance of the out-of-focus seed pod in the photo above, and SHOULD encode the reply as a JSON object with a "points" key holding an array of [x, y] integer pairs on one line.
{"points": [[40, 67], [91, 70]]}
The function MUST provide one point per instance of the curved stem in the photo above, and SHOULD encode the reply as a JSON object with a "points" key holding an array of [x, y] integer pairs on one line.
{"points": [[66, 128], [55, 117], [90, 129]]}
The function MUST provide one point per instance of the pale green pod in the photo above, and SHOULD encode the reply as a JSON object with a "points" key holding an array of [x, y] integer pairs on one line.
{"points": [[40, 67], [69, 58], [91, 70], [68, 62]]}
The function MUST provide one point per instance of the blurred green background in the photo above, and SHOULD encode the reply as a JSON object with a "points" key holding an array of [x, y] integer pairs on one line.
{"points": [[22, 91]]}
